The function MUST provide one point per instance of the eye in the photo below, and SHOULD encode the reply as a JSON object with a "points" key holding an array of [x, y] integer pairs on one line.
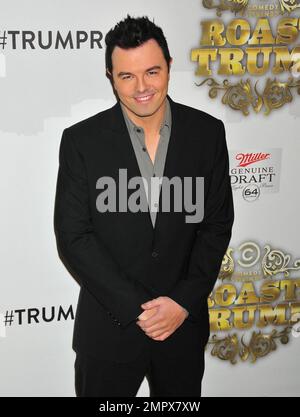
{"points": [[153, 72], [126, 77]]}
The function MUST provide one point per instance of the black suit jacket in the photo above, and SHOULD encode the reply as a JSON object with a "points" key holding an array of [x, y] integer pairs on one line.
{"points": [[119, 260]]}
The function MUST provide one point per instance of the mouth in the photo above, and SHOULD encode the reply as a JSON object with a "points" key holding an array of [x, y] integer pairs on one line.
{"points": [[144, 99]]}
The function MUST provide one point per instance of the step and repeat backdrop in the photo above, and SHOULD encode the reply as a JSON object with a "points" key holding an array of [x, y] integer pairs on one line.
{"points": [[238, 60]]}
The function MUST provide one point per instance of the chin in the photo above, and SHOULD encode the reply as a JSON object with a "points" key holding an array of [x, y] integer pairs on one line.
{"points": [[145, 114]]}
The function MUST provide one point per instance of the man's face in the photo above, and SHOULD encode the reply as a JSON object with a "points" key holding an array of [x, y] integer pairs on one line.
{"points": [[140, 77]]}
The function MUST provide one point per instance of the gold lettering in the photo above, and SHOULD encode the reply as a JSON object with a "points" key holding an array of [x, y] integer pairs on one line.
{"points": [[289, 286], [203, 57], [247, 294], [262, 34], [219, 319], [253, 55], [272, 315], [270, 291], [287, 31], [225, 295], [212, 33], [285, 59], [230, 61], [244, 317], [243, 26]]}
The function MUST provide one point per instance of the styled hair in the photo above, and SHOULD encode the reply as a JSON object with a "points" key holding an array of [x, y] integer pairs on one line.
{"points": [[132, 32]]}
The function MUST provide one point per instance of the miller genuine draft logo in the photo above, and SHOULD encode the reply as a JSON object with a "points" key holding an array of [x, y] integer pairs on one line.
{"points": [[255, 303], [254, 174], [258, 46]]}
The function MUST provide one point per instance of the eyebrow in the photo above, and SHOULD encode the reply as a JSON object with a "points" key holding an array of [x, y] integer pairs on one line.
{"points": [[120, 74]]}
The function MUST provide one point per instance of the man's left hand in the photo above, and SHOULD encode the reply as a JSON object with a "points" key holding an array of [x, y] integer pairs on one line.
{"points": [[169, 316]]}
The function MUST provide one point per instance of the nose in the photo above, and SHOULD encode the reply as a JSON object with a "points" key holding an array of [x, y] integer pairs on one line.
{"points": [[141, 84]]}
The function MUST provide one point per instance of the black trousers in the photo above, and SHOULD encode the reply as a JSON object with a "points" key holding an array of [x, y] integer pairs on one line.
{"points": [[167, 375]]}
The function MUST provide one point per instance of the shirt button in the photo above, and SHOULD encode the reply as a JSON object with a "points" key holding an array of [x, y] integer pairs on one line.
{"points": [[154, 254], [138, 130], [155, 204]]}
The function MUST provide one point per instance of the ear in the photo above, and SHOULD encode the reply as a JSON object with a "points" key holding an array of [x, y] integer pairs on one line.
{"points": [[110, 77], [170, 64]]}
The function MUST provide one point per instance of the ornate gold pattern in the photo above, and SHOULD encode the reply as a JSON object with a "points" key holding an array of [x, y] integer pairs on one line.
{"points": [[227, 266], [234, 6], [226, 348], [288, 6], [275, 261], [260, 345], [240, 96]]}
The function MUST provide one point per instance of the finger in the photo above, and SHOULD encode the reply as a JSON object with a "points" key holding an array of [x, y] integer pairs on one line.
{"points": [[161, 337], [156, 333], [150, 304], [155, 319], [155, 328]]}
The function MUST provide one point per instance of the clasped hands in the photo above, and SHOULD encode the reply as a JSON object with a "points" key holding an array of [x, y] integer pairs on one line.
{"points": [[162, 316]]}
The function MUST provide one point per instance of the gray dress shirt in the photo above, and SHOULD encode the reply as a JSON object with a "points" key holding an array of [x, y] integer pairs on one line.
{"points": [[147, 168]]}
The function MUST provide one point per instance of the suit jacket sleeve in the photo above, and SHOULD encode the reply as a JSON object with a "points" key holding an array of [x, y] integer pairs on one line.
{"points": [[212, 238], [82, 252]]}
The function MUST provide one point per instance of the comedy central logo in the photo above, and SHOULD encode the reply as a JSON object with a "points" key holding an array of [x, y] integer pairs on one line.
{"points": [[255, 304], [188, 195]]}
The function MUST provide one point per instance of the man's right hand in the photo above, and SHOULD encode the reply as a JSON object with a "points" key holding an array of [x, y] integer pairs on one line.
{"points": [[148, 313]]}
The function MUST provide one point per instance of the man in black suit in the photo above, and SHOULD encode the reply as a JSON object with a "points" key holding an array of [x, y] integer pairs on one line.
{"points": [[145, 274]]}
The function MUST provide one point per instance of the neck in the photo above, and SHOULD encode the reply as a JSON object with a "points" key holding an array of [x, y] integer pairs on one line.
{"points": [[150, 124]]}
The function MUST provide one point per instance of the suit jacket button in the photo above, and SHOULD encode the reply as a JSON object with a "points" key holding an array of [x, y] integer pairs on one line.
{"points": [[154, 254]]}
